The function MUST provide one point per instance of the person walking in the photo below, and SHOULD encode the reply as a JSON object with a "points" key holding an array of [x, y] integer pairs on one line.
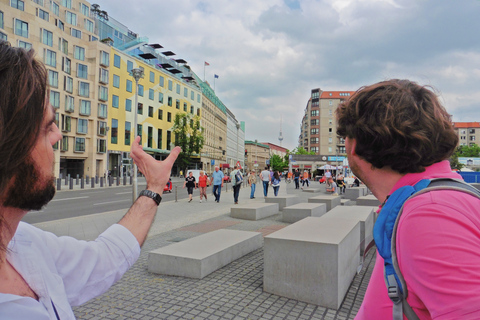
{"points": [[202, 185], [341, 183], [305, 179], [252, 182], [265, 176], [217, 181], [190, 184], [236, 183], [276, 183], [296, 177]]}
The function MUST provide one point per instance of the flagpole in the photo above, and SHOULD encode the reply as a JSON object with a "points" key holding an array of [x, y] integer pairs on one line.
{"points": [[214, 84], [204, 65]]}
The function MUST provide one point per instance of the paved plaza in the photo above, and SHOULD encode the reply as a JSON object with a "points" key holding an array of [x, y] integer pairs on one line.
{"points": [[232, 292]]}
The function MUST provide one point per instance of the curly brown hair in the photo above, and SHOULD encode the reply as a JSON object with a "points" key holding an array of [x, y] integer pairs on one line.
{"points": [[399, 124]]}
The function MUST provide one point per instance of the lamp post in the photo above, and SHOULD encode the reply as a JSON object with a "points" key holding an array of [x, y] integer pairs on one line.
{"points": [[137, 74], [237, 156]]}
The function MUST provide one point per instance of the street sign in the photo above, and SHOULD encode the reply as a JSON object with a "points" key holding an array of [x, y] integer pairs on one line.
{"points": [[239, 166]]}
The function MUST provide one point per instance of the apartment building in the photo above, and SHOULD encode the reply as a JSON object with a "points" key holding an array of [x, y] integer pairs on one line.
{"points": [[468, 132], [256, 155], [235, 140], [318, 127], [63, 36]]}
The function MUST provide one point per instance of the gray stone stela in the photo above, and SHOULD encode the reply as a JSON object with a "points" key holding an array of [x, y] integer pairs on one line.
{"points": [[303, 210], [254, 211], [199, 256], [330, 200], [283, 201], [355, 192], [313, 260], [369, 200], [312, 190]]}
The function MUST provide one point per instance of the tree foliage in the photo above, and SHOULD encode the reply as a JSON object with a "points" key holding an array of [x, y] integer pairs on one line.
{"points": [[277, 163], [188, 136], [301, 150], [463, 151]]}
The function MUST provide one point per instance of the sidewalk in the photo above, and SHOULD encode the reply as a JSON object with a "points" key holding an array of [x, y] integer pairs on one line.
{"points": [[233, 292]]}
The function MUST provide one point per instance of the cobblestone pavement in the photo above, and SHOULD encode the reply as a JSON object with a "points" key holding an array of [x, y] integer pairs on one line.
{"points": [[232, 292]]}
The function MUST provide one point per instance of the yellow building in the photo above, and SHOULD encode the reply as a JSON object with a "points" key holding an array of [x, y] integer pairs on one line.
{"points": [[62, 34], [161, 95]]}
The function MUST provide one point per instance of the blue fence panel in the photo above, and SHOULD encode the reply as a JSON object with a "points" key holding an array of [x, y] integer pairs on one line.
{"points": [[470, 177]]}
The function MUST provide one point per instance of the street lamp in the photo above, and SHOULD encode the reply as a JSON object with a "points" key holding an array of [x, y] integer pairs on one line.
{"points": [[238, 157], [137, 74]]}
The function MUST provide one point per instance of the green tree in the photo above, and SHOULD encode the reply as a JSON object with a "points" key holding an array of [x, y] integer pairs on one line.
{"points": [[188, 136], [468, 151], [301, 150], [277, 163]]}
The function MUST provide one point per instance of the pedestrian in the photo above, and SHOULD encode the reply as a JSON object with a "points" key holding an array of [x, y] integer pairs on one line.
{"points": [[333, 187], [202, 185], [237, 179], [305, 179], [252, 182], [341, 183], [296, 177], [217, 181], [398, 134], [190, 183], [265, 176], [42, 275], [276, 183]]}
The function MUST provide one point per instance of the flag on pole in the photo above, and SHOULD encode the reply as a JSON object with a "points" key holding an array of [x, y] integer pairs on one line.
{"points": [[216, 76], [206, 63]]}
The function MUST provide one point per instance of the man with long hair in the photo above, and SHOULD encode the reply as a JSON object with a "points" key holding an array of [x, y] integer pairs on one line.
{"points": [[396, 134], [42, 275]]}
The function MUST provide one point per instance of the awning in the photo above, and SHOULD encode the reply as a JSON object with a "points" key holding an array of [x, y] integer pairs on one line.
{"points": [[147, 56], [225, 165]]}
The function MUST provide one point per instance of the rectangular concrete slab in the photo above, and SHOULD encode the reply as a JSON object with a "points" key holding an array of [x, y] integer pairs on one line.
{"points": [[364, 215], [199, 256], [283, 201], [330, 200], [369, 201], [301, 211], [347, 202], [254, 211], [311, 190], [313, 260], [353, 193]]}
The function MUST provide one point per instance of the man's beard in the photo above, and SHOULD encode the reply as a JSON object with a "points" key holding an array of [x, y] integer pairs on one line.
{"points": [[30, 190]]}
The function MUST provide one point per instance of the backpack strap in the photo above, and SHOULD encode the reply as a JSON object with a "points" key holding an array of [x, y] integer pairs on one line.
{"points": [[401, 305]]}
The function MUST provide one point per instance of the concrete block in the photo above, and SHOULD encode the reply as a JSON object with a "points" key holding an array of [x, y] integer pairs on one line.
{"points": [[330, 200], [301, 211], [347, 202], [369, 201], [199, 256], [311, 190], [363, 214], [353, 193], [254, 210], [283, 201], [313, 260]]}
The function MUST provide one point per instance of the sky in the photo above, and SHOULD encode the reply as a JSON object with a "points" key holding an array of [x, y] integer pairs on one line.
{"points": [[270, 54]]}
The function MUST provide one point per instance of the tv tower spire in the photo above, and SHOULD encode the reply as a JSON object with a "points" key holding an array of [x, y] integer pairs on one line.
{"points": [[280, 137]]}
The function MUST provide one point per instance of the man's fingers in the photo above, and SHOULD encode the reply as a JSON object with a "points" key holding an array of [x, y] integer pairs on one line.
{"points": [[173, 156]]}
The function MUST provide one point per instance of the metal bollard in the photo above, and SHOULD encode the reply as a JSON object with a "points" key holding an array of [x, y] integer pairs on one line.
{"points": [[110, 181], [82, 183], [76, 182], [131, 180], [71, 183], [96, 179], [176, 200], [101, 182], [92, 181], [118, 181], [59, 184], [124, 180], [88, 180]]}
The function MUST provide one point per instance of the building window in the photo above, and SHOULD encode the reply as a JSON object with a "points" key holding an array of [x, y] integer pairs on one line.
{"points": [[55, 8], [71, 18], [102, 128], [177, 104], [68, 84], [79, 144], [140, 132], [102, 110], [79, 53], [60, 24], [178, 89], [160, 97], [17, 4], [150, 111], [82, 126], [128, 128], [140, 108], [53, 78], [84, 9], [471, 131], [116, 81], [314, 122], [472, 138], [50, 58], [169, 116], [150, 137], [159, 139], [160, 114], [129, 85], [85, 107], [313, 140], [185, 106], [192, 111], [170, 101], [192, 95], [330, 140], [314, 131], [152, 77], [330, 130], [169, 139], [129, 66], [185, 92], [64, 144], [116, 61], [140, 90], [88, 25], [114, 131], [69, 104], [198, 97], [103, 93], [128, 105], [63, 45], [3, 36], [55, 99], [105, 58], [115, 101], [66, 123], [101, 145], [43, 14], [76, 33], [21, 28], [161, 81], [104, 76], [82, 71], [84, 89], [151, 94], [315, 113], [170, 85], [67, 3]]}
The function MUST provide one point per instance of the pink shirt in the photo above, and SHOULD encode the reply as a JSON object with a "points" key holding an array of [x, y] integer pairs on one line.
{"points": [[438, 248]]}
